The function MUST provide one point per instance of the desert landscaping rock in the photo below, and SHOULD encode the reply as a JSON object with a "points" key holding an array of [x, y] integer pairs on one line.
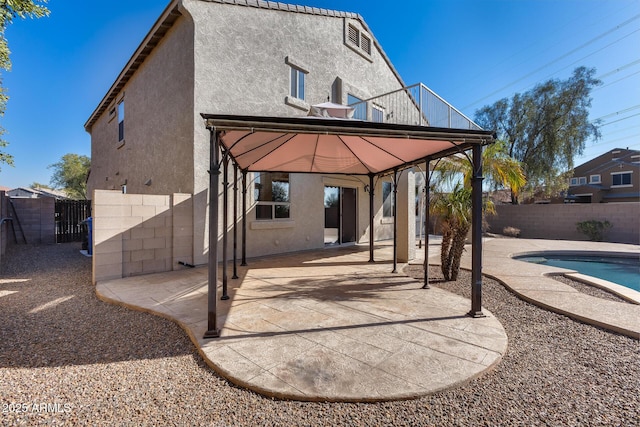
{"points": [[92, 363]]}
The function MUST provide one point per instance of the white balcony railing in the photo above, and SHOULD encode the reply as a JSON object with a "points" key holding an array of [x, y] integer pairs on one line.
{"points": [[413, 105]]}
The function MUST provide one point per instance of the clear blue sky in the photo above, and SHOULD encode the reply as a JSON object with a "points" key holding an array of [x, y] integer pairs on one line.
{"points": [[470, 52]]}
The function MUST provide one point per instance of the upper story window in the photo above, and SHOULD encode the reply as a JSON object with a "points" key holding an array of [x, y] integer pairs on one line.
{"points": [[377, 114], [297, 83], [298, 73], [360, 112], [621, 179], [271, 192], [121, 120], [387, 199], [358, 40], [594, 179], [578, 181]]}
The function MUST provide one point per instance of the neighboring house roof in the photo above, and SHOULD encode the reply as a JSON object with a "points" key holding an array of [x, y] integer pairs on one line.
{"points": [[172, 13], [23, 192], [599, 163]]}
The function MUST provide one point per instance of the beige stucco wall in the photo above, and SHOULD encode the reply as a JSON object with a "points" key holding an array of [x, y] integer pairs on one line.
{"points": [[222, 58], [158, 124], [241, 68]]}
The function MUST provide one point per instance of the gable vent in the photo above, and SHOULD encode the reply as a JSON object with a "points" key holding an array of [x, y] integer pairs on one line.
{"points": [[365, 44], [354, 35]]}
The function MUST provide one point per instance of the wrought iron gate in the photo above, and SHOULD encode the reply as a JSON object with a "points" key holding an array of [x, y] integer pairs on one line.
{"points": [[70, 215]]}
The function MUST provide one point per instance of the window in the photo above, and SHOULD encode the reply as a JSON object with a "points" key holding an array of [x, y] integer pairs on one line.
{"points": [[387, 199], [621, 179], [578, 181], [121, 121], [360, 112], [271, 192], [594, 179], [297, 83], [377, 114]]}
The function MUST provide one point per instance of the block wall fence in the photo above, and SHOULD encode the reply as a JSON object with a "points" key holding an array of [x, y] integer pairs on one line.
{"points": [[558, 221], [37, 218], [137, 234]]}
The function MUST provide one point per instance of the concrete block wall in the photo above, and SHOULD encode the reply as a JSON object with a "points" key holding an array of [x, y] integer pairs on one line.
{"points": [[37, 218], [559, 221], [140, 233]]}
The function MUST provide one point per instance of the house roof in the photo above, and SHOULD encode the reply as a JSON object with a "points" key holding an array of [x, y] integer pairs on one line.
{"points": [[173, 11], [612, 158], [335, 146]]}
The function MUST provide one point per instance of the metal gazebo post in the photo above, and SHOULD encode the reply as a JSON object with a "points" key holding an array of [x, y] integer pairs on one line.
{"points": [[244, 218], [427, 180], [212, 289], [235, 221], [371, 217], [395, 221], [476, 234], [225, 223]]}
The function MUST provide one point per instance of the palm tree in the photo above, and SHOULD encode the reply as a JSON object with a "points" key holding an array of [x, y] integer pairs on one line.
{"points": [[454, 210], [455, 207]]}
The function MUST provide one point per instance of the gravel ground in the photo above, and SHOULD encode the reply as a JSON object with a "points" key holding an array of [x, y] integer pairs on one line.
{"points": [[93, 363], [590, 290]]}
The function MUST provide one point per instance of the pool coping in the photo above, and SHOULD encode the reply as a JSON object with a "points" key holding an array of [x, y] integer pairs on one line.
{"points": [[628, 294], [534, 282]]}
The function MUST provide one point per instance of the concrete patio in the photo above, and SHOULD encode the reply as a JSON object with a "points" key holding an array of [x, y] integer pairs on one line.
{"points": [[327, 325]]}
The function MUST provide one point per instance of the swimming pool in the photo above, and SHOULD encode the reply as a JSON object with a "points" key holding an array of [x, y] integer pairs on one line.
{"points": [[623, 270]]}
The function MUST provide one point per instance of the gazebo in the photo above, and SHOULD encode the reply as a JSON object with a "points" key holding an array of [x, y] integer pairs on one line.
{"points": [[333, 146]]}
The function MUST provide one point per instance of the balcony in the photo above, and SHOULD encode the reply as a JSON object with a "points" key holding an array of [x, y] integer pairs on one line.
{"points": [[412, 105]]}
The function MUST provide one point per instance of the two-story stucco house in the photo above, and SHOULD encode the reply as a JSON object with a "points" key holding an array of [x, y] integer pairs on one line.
{"points": [[611, 177], [248, 57]]}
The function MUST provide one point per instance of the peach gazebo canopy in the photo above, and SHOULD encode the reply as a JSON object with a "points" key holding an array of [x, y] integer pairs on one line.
{"points": [[329, 145]]}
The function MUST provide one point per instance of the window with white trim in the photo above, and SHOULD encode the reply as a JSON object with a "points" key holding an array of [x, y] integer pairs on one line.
{"points": [[621, 179], [594, 179], [297, 83], [581, 180], [271, 193]]}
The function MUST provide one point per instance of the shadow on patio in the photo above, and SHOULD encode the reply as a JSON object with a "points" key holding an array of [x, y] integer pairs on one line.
{"points": [[325, 325]]}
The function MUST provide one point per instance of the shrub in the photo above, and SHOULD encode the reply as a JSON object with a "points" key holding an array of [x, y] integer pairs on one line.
{"points": [[594, 229], [511, 231]]}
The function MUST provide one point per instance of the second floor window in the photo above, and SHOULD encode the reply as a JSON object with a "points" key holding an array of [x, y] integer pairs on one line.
{"points": [[121, 121], [360, 112], [620, 179], [377, 114], [271, 192], [297, 83]]}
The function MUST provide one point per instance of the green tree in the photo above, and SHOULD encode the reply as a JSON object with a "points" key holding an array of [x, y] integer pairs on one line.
{"points": [[10, 9], [37, 185], [70, 174], [454, 207], [545, 128]]}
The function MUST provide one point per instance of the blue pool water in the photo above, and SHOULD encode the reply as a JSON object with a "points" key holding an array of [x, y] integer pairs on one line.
{"points": [[624, 271]]}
